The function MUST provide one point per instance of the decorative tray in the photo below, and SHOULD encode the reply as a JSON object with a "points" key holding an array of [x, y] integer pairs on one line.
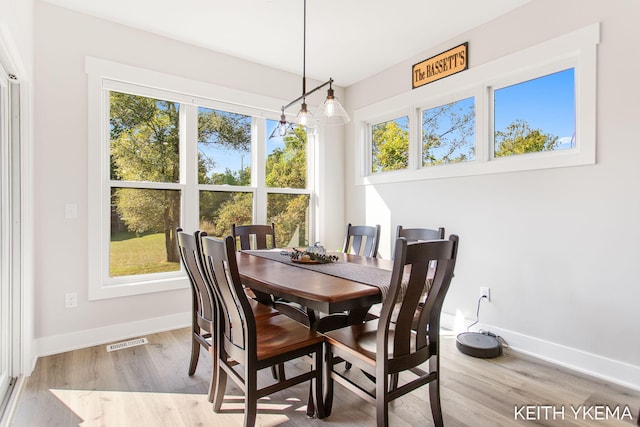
{"points": [[304, 257], [305, 261]]}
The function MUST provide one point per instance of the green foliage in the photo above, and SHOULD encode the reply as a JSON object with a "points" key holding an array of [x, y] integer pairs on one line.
{"points": [[519, 138], [225, 129], [287, 167], [390, 147], [224, 210], [144, 139], [290, 214], [228, 131], [145, 147]]}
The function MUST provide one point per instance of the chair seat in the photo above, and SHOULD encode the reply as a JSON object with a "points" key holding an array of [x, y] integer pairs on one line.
{"points": [[279, 334], [360, 340]]}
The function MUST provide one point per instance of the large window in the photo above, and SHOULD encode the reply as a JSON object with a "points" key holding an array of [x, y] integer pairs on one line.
{"points": [[163, 159], [532, 109]]}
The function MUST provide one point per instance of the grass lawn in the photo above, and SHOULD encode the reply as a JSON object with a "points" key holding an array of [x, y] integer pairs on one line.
{"points": [[131, 255]]}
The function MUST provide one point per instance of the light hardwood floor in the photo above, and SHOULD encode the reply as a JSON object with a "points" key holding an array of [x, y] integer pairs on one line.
{"points": [[148, 386]]}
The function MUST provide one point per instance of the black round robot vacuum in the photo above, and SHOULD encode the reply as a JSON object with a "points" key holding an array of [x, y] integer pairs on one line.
{"points": [[476, 344]]}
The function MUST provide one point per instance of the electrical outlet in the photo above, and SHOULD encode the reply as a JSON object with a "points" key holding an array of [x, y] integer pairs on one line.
{"points": [[71, 300], [485, 292]]}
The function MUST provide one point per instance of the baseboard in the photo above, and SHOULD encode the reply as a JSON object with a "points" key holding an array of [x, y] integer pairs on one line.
{"points": [[108, 334], [607, 369]]}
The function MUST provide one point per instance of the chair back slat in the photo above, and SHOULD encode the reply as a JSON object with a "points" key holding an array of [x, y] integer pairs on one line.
{"points": [[255, 236], [204, 298], [412, 263], [362, 240], [222, 270]]}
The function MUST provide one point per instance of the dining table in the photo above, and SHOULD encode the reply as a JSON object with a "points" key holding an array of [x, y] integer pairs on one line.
{"points": [[350, 284]]}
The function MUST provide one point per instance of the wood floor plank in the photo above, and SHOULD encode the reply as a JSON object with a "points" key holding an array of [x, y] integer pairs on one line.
{"points": [[148, 385]]}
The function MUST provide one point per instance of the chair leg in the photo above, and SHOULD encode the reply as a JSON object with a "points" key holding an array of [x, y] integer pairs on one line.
{"points": [[250, 398], [434, 398], [434, 391], [328, 369], [195, 354], [318, 389], [311, 407], [213, 381], [382, 407], [221, 385], [278, 372], [394, 381]]}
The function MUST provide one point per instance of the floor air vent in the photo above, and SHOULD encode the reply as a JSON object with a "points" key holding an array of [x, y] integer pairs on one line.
{"points": [[127, 344]]}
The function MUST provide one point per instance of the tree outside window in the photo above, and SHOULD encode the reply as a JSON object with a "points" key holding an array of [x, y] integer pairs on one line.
{"points": [[390, 145]]}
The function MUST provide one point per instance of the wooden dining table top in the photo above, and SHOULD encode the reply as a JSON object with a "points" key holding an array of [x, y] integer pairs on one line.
{"points": [[313, 289]]}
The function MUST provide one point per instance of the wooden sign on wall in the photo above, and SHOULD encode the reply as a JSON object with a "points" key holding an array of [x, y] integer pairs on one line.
{"points": [[443, 65]]}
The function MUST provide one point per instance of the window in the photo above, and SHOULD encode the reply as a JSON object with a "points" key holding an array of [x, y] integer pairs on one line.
{"points": [[448, 133], [285, 174], [390, 145], [533, 109], [535, 115], [165, 159], [144, 155]]}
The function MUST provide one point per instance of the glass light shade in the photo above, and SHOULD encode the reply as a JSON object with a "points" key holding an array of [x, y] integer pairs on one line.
{"points": [[281, 129], [305, 118], [332, 113]]}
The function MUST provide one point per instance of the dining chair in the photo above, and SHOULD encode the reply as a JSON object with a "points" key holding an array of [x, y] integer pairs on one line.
{"points": [[255, 236], [259, 236], [254, 343], [203, 303], [383, 348], [362, 240]]}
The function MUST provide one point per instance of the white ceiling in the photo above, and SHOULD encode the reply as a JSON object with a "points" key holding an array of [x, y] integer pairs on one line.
{"points": [[346, 39]]}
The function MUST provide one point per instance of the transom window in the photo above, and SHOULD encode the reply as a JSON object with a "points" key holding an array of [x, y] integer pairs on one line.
{"points": [[535, 115], [448, 133], [533, 109], [390, 145]]}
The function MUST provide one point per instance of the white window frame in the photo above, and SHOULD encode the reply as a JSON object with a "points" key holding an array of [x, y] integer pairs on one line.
{"points": [[105, 76], [575, 50]]}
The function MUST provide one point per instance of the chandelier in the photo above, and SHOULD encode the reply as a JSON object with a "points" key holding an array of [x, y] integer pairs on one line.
{"points": [[331, 112]]}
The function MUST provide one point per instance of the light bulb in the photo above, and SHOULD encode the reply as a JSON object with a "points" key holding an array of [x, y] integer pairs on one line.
{"points": [[303, 116], [330, 107]]}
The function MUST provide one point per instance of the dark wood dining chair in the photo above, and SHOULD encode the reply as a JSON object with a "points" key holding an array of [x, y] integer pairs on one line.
{"points": [[203, 303], [255, 236], [254, 343], [383, 348], [259, 236], [362, 240]]}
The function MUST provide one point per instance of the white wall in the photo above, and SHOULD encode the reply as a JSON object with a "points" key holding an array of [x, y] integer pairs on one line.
{"points": [[62, 41], [559, 248]]}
